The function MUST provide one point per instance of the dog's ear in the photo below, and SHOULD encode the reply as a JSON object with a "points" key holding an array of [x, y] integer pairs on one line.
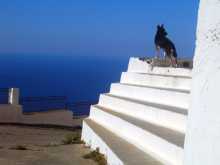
{"points": [[162, 25], [158, 26]]}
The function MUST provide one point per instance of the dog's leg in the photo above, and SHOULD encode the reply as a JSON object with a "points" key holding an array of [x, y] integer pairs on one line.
{"points": [[171, 61], [165, 58], [157, 51], [152, 64], [174, 59], [175, 62], [164, 54]]}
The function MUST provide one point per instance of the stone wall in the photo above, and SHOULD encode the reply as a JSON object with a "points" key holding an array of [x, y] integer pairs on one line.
{"points": [[13, 114]]}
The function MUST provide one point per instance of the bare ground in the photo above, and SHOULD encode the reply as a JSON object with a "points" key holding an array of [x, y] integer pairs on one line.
{"points": [[43, 147]]}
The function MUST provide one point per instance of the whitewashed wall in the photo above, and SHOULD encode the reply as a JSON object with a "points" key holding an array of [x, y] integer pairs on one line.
{"points": [[202, 145]]}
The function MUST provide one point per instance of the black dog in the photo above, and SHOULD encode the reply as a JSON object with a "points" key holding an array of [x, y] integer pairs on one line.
{"points": [[162, 42]]}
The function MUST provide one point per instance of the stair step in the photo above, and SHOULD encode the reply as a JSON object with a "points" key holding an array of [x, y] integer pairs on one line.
{"points": [[117, 150], [138, 66], [163, 81], [166, 116], [166, 144], [169, 97]]}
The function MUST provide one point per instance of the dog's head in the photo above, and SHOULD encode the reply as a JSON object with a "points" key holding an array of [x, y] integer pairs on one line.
{"points": [[161, 30]]}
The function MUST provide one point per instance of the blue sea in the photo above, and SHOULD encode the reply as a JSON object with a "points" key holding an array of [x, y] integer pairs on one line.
{"points": [[79, 78]]}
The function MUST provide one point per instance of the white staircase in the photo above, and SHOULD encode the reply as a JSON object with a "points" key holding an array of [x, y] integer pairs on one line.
{"points": [[142, 119]]}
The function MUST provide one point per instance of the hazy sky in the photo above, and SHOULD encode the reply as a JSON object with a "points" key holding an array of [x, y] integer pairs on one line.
{"points": [[95, 27]]}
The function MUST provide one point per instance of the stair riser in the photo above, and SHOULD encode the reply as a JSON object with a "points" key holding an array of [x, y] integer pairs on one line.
{"points": [[138, 66], [156, 81], [143, 139], [166, 97], [150, 114], [92, 140]]}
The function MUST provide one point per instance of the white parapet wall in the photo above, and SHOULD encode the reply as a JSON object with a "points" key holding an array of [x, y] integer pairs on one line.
{"points": [[55, 117], [13, 96], [12, 113], [202, 145]]}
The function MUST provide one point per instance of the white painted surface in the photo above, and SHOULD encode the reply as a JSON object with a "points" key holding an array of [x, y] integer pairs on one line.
{"points": [[13, 96], [161, 81], [138, 66], [146, 112], [117, 150], [93, 140], [160, 148], [202, 145], [155, 95]]}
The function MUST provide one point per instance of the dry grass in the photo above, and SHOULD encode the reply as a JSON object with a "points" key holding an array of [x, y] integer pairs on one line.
{"points": [[73, 138], [96, 156]]}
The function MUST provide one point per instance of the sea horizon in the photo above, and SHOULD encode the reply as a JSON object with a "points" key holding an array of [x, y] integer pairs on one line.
{"points": [[79, 78]]}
